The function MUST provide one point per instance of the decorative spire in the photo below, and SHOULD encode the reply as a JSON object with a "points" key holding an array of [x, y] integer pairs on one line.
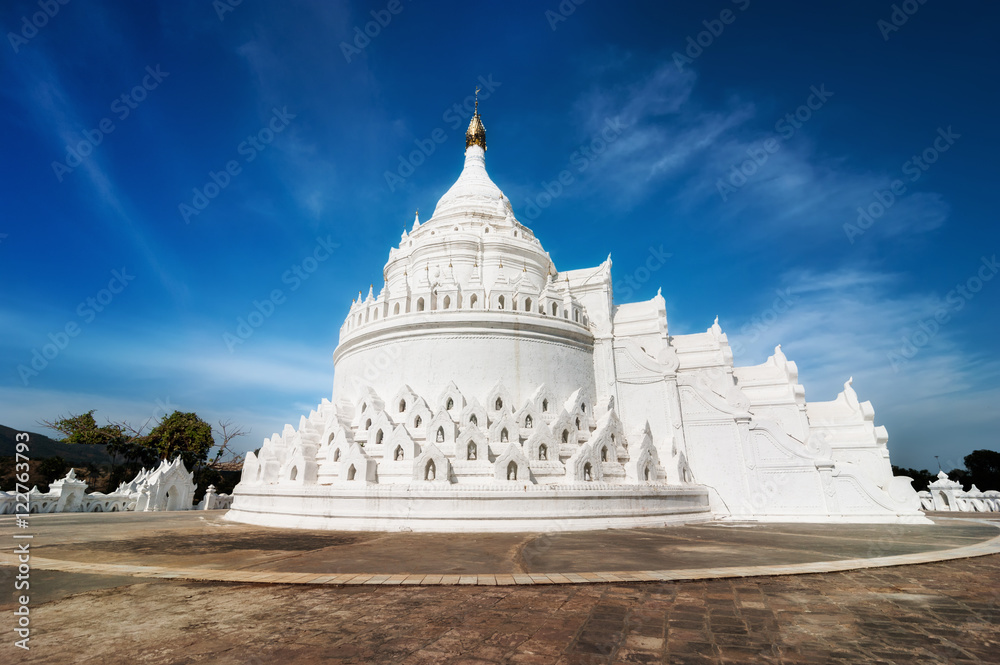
{"points": [[476, 134]]}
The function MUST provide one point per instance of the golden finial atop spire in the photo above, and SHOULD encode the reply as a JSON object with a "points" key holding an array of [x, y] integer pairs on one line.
{"points": [[476, 134]]}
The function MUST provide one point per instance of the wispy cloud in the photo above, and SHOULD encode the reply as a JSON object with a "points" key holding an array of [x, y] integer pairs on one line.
{"points": [[672, 134], [40, 90], [797, 189], [666, 131]]}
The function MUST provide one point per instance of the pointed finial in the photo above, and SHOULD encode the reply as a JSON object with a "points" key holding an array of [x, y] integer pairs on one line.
{"points": [[476, 133]]}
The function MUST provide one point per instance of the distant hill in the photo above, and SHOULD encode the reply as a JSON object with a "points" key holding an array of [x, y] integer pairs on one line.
{"points": [[42, 446]]}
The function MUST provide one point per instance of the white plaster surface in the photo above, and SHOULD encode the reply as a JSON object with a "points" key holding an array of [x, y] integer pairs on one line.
{"points": [[167, 487], [581, 412]]}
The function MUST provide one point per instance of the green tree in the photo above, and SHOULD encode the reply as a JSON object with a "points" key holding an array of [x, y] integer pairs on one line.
{"points": [[183, 434], [52, 468], [120, 439], [984, 469], [81, 429]]}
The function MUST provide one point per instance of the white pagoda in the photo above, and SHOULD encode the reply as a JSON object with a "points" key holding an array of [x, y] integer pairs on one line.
{"points": [[483, 389]]}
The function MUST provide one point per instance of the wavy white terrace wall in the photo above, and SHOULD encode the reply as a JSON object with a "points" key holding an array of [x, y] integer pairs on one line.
{"points": [[167, 487]]}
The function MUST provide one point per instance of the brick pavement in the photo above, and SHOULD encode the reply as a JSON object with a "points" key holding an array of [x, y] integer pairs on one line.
{"points": [[204, 548], [933, 613]]}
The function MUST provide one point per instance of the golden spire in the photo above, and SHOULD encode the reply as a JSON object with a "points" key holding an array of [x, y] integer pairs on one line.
{"points": [[476, 134]]}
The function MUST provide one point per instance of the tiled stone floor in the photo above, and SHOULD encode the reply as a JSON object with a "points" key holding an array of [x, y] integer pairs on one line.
{"points": [[204, 547], [945, 612]]}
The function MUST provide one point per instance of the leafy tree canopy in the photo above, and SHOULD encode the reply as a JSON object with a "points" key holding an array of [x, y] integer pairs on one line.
{"points": [[83, 429], [984, 469], [183, 434], [120, 438], [53, 468]]}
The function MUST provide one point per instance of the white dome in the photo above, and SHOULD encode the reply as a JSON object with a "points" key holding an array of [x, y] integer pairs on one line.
{"points": [[474, 192]]}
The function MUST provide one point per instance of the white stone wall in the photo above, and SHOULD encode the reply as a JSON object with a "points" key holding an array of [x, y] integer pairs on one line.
{"points": [[168, 487], [427, 352], [473, 310]]}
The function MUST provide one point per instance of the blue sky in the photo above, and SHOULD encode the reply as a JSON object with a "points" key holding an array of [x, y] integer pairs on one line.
{"points": [[115, 114]]}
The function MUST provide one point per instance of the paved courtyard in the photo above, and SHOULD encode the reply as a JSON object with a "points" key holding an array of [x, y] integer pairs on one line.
{"points": [[945, 612], [933, 613]]}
